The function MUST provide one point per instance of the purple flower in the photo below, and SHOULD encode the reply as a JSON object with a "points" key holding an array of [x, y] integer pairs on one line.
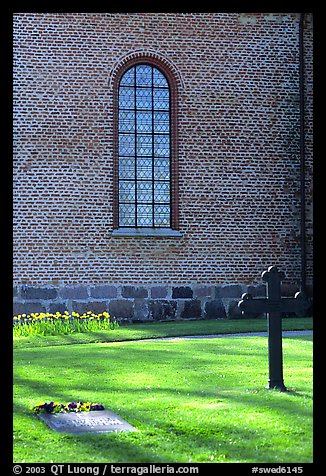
{"points": [[96, 407], [48, 407]]}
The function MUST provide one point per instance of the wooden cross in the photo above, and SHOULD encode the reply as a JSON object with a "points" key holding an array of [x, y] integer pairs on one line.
{"points": [[273, 306]]}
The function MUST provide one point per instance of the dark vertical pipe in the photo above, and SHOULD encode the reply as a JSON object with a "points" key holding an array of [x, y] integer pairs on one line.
{"points": [[302, 154]]}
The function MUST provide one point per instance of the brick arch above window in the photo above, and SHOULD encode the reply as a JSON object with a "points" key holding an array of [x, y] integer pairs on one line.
{"points": [[153, 57], [174, 87]]}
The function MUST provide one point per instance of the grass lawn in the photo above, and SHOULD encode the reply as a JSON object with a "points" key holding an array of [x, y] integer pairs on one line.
{"points": [[191, 400], [163, 329]]}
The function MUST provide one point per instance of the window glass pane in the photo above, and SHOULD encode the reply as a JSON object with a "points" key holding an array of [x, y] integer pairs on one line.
{"points": [[127, 215], [144, 168], [126, 144], [143, 75], [161, 215], [145, 215], [161, 145], [161, 122], [144, 121], [126, 168], [161, 169], [128, 78], [127, 192], [126, 121], [126, 98], [144, 192], [144, 145], [162, 192], [161, 98], [159, 79], [144, 98]]}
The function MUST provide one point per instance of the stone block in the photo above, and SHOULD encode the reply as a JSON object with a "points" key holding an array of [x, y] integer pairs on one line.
{"points": [[57, 307], [203, 291], [162, 310], [27, 308], [97, 307], [158, 292], [214, 309], [182, 292], [229, 291], [103, 292], [134, 292], [232, 310], [73, 292], [42, 294], [289, 290], [258, 290], [141, 310], [192, 309], [121, 308]]}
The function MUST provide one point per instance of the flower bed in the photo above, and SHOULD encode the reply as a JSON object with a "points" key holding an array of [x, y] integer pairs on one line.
{"points": [[56, 324], [56, 407]]}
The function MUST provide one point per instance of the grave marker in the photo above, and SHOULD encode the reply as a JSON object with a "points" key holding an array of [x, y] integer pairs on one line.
{"points": [[273, 305], [84, 422]]}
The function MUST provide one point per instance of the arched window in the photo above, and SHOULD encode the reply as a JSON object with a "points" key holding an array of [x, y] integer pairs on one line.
{"points": [[144, 149]]}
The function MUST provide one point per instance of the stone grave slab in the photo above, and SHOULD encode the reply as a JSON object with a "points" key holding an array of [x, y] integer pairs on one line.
{"points": [[86, 422]]}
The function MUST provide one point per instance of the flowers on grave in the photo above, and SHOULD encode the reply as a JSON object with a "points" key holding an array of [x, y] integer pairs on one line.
{"points": [[44, 407], [56, 407]]}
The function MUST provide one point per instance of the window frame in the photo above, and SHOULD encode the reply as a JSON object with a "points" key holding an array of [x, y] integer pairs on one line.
{"points": [[174, 209]]}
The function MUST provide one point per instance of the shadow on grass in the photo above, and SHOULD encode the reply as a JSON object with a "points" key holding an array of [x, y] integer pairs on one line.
{"points": [[159, 435], [291, 392], [161, 430], [239, 395]]}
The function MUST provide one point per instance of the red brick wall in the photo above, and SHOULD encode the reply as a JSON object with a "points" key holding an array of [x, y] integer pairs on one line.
{"points": [[238, 147], [308, 125]]}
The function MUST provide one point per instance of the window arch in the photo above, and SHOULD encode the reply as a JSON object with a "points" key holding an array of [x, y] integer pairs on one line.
{"points": [[145, 148]]}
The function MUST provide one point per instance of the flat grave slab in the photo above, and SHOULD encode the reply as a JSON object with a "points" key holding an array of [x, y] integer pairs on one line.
{"points": [[86, 422]]}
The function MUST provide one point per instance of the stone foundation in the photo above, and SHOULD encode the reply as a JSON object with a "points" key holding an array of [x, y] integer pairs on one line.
{"points": [[140, 303]]}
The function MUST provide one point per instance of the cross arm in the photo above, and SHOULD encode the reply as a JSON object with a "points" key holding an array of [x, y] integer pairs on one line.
{"points": [[298, 304], [250, 305]]}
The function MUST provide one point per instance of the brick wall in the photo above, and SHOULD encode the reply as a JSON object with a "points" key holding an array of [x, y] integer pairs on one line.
{"points": [[238, 115]]}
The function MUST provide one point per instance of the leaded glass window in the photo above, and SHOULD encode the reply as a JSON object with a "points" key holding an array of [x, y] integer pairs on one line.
{"points": [[144, 148]]}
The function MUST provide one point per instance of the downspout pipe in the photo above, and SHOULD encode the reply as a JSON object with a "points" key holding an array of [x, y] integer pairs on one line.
{"points": [[302, 155]]}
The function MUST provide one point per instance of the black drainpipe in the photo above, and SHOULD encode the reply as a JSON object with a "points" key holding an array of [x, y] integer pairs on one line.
{"points": [[302, 154]]}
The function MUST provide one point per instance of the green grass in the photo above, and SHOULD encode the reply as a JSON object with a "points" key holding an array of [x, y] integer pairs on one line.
{"points": [[191, 400], [162, 329]]}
